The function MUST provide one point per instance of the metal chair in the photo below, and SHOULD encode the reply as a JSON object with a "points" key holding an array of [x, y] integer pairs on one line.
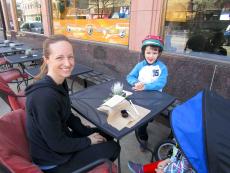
{"points": [[15, 101], [14, 75], [3, 64], [16, 157]]}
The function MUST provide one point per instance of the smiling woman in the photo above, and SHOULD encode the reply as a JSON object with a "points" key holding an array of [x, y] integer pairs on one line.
{"points": [[56, 50], [60, 61], [59, 142]]}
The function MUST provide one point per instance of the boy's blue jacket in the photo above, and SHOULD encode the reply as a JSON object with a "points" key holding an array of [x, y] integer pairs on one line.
{"points": [[153, 76]]}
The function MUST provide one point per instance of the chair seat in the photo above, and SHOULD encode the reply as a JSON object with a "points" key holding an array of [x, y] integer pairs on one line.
{"points": [[10, 75]]}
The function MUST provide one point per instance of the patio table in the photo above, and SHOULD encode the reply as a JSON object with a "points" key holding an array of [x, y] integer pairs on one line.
{"points": [[22, 58], [86, 102], [2, 41], [16, 44], [6, 51]]}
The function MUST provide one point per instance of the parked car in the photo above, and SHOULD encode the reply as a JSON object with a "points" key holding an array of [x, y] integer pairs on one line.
{"points": [[32, 26]]}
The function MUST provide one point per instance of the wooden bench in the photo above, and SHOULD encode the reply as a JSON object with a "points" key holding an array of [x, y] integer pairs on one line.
{"points": [[94, 78]]}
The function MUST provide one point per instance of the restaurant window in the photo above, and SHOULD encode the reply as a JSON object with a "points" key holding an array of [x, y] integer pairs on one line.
{"points": [[94, 20], [10, 15], [198, 27], [29, 16], [1, 26]]}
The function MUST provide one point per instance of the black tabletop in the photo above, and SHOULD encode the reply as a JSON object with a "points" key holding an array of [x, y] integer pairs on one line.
{"points": [[2, 41], [78, 69], [8, 45], [21, 58], [8, 50], [88, 100]]}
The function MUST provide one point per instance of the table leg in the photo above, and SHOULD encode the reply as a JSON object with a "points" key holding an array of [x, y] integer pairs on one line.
{"points": [[25, 78], [148, 149], [85, 83], [71, 88], [119, 160]]}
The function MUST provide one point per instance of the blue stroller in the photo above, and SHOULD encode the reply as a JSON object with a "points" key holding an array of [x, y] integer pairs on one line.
{"points": [[200, 128]]}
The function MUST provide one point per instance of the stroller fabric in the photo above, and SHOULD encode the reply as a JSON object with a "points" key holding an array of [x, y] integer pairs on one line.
{"points": [[200, 126]]}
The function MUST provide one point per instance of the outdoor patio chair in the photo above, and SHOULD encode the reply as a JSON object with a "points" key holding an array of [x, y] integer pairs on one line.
{"points": [[15, 101], [3, 64], [14, 148], [14, 75]]}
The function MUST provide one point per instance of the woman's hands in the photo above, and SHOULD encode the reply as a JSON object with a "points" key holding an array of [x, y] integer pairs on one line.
{"points": [[96, 138], [139, 86]]}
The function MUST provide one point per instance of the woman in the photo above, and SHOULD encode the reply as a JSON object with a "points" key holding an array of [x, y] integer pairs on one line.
{"points": [[58, 141]]}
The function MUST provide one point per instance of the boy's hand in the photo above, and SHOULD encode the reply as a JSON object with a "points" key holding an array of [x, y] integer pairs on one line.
{"points": [[139, 86]]}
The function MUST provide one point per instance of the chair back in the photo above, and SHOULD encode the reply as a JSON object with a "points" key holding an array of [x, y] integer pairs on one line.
{"points": [[14, 148], [4, 90], [13, 100]]}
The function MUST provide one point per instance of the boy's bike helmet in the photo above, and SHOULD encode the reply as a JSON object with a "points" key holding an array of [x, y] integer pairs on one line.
{"points": [[152, 40]]}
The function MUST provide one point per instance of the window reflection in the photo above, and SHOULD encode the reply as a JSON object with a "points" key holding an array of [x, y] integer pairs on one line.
{"points": [[198, 26], [1, 23], [29, 16], [97, 20], [9, 15]]}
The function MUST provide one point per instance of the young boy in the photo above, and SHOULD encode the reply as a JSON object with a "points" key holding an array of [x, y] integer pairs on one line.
{"points": [[177, 163], [149, 74]]}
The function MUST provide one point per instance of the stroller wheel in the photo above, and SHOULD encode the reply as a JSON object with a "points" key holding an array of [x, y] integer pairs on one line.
{"points": [[164, 149]]}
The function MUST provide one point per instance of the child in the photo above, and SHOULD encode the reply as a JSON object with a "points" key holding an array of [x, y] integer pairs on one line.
{"points": [[177, 163], [149, 74]]}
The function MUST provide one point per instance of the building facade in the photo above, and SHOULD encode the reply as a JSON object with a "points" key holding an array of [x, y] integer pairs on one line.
{"points": [[108, 35]]}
